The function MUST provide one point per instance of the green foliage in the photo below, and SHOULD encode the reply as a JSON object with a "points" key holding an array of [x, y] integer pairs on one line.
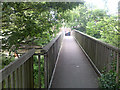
{"points": [[6, 60], [77, 18], [95, 23], [31, 22], [26, 21], [108, 79], [35, 65]]}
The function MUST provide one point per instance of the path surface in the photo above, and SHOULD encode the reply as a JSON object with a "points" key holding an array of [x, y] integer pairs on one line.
{"points": [[73, 68]]}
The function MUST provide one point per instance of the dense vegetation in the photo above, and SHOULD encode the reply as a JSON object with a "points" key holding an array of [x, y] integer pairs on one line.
{"points": [[23, 22], [30, 23], [37, 23], [97, 23]]}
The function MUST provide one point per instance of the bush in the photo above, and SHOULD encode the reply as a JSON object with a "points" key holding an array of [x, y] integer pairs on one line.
{"points": [[108, 79], [6, 60], [35, 65]]}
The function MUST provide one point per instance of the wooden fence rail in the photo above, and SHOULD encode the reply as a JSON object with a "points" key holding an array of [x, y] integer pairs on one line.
{"points": [[50, 56], [100, 54], [19, 74]]}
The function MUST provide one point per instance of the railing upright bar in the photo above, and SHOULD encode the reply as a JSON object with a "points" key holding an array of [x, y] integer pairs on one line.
{"points": [[0, 85], [39, 71], [6, 82], [19, 74], [28, 73], [118, 67], [104, 54], [23, 74], [32, 72], [45, 71], [9, 81], [17, 79]]}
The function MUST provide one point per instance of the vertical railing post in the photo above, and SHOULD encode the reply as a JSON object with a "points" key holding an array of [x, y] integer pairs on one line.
{"points": [[0, 85], [17, 79], [45, 71], [117, 69], [13, 80], [32, 73], [39, 75], [20, 76], [9, 81]]}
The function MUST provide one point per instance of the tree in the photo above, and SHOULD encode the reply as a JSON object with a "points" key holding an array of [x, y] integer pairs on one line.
{"points": [[22, 22], [95, 22], [77, 18]]}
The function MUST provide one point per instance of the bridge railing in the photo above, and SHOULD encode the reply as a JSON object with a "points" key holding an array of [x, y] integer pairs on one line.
{"points": [[50, 56], [100, 54], [19, 74]]}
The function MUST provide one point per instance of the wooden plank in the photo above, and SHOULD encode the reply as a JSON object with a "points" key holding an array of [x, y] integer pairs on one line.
{"points": [[32, 73], [13, 80], [29, 70], [20, 77], [39, 72], [9, 81], [23, 78], [0, 85], [114, 55], [28, 73], [103, 43], [99, 56], [23, 74], [17, 79], [114, 59], [96, 56], [6, 82], [54, 53], [108, 62], [109, 59], [49, 63], [117, 67], [103, 51], [26, 84], [45, 71], [14, 65]]}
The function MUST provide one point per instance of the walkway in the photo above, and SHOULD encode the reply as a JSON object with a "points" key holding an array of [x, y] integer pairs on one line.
{"points": [[73, 68]]}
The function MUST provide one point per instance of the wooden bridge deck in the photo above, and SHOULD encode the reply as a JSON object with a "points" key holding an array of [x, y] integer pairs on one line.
{"points": [[73, 69]]}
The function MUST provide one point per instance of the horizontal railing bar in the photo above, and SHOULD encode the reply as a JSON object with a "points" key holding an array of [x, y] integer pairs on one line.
{"points": [[103, 43], [26, 48], [34, 53], [29, 48], [15, 64]]}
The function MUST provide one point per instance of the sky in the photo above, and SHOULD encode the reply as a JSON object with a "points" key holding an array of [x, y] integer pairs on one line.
{"points": [[112, 5]]}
